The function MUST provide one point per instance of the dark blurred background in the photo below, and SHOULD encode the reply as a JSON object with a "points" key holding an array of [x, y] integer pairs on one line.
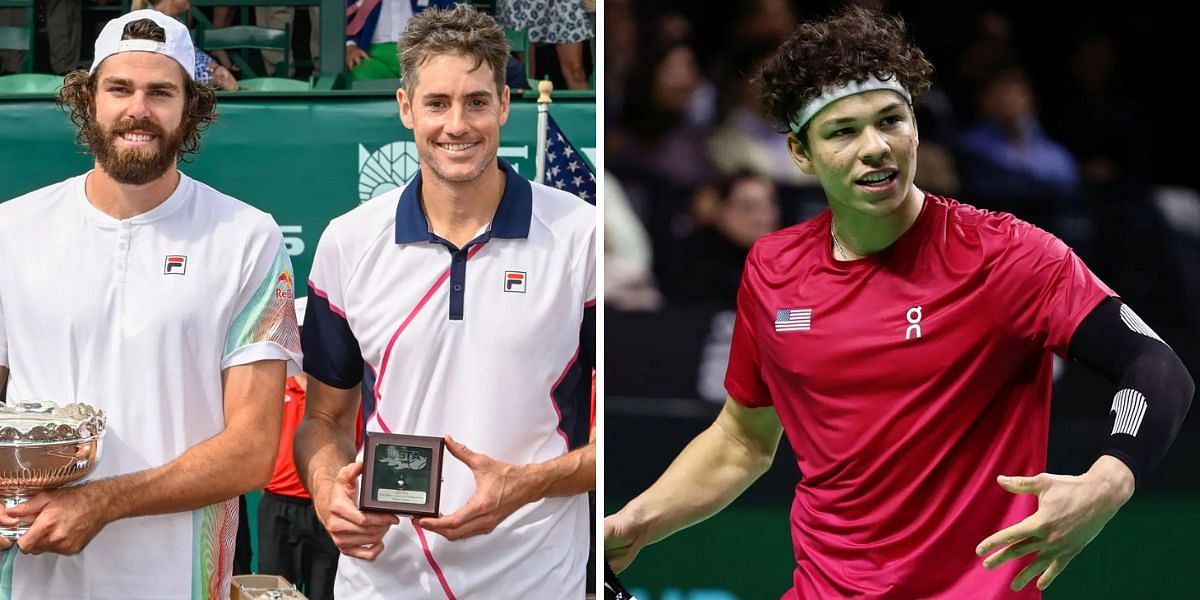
{"points": [[1074, 116]]}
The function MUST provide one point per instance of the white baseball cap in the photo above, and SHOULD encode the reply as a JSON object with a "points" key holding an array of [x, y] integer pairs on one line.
{"points": [[301, 306], [178, 45]]}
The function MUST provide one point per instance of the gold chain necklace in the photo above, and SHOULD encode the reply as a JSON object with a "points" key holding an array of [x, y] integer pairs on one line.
{"points": [[837, 246]]}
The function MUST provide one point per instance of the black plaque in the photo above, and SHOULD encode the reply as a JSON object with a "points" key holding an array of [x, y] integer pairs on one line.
{"points": [[402, 474]]}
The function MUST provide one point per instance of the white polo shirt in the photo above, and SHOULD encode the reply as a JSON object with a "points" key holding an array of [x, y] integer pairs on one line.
{"points": [[493, 344], [140, 317]]}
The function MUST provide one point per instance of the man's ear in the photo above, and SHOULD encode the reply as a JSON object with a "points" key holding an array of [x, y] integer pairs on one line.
{"points": [[799, 154], [505, 100], [405, 105]]}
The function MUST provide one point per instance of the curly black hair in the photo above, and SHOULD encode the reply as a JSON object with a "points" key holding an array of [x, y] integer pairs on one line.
{"points": [[78, 96], [852, 45]]}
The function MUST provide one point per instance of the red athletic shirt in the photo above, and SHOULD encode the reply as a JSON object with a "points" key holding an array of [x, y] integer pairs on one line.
{"points": [[906, 382], [285, 481]]}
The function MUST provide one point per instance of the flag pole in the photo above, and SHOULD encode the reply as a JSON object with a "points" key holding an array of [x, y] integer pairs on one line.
{"points": [[543, 102]]}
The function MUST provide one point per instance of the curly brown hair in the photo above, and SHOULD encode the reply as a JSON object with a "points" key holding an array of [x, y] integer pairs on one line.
{"points": [[460, 30], [851, 45], [78, 96]]}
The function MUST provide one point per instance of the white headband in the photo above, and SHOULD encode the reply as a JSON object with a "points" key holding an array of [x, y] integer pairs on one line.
{"points": [[834, 93]]}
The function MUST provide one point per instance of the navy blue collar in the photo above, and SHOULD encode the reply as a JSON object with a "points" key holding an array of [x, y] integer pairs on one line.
{"points": [[511, 221]]}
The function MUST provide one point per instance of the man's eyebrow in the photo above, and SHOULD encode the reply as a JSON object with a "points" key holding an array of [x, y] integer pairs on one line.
{"points": [[445, 96], [156, 85], [844, 120]]}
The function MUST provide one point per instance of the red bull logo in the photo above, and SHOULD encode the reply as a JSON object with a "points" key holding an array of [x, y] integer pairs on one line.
{"points": [[284, 290]]}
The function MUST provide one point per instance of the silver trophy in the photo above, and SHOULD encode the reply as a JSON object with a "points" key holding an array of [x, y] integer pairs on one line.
{"points": [[44, 446]]}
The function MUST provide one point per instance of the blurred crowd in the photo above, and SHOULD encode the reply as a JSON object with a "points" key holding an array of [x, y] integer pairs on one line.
{"points": [[1026, 116], [556, 38]]}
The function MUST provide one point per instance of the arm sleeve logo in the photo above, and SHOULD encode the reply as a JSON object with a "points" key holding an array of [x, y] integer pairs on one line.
{"points": [[270, 315]]}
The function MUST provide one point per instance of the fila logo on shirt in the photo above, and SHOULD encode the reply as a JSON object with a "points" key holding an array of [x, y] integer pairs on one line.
{"points": [[514, 281], [913, 316], [176, 264]]}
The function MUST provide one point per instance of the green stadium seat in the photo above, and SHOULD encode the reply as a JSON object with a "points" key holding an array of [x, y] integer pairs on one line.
{"points": [[274, 84], [30, 83], [19, 38], [247, 36], [518, 40]]}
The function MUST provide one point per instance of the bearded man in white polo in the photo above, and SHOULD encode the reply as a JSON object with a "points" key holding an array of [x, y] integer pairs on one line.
{"points": [[160, 301]]}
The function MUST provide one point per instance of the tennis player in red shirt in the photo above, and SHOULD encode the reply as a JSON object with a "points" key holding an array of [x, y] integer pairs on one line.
{"points": [[903, 341]]}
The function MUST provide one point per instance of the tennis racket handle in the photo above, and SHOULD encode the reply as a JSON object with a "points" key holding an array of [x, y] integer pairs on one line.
{"points": [[613, 588]]}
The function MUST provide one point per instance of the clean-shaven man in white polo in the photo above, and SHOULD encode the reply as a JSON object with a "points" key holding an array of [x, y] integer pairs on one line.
{"points": [[164, 303], [461, 306]]}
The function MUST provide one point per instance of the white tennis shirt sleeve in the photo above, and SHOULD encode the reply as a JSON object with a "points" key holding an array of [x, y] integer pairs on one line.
{"points": [[587, 267], [264, 327]]}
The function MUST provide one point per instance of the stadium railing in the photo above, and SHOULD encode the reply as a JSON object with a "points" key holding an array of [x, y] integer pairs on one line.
{"points": [[333, 26]]}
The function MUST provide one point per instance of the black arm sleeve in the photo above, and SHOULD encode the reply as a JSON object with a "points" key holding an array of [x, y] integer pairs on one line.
{"points": [[1154, 389]]}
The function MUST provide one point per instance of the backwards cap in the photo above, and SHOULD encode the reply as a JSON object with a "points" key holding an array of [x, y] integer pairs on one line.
{"points": [[178, 45]]}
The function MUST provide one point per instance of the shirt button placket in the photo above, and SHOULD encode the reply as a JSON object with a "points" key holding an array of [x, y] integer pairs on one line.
{"points": [[122, 252]]}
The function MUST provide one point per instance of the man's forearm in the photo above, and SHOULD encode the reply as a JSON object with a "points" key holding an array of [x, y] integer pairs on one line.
{"points": [[238, 459], [321, 449], [712, 471], [1154, 388], [3, 384], [222, 467], [570, 474]]}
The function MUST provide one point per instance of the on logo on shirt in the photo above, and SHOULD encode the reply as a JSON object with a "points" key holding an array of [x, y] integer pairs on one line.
{"points": [[913, 316]]}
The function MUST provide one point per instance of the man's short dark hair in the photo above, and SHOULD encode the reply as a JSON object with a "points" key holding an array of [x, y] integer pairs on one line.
{"points": [[461, 30]]}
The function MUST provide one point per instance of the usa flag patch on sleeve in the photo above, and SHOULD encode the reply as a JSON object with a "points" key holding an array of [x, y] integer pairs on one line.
{"points": [[793, 319]]}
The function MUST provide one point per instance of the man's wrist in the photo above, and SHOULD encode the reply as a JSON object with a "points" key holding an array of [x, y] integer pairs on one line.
{"points": [[104, 499], [319, 486], [1112, 473], [636, 519], [534, 480]]}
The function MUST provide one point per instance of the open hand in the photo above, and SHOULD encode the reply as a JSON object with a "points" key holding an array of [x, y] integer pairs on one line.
{"points": [[1071, 512], [499, 492]]}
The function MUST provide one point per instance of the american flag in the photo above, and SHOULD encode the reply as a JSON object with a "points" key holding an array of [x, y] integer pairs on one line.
{"points": [[566, 168], [793, 319]]}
